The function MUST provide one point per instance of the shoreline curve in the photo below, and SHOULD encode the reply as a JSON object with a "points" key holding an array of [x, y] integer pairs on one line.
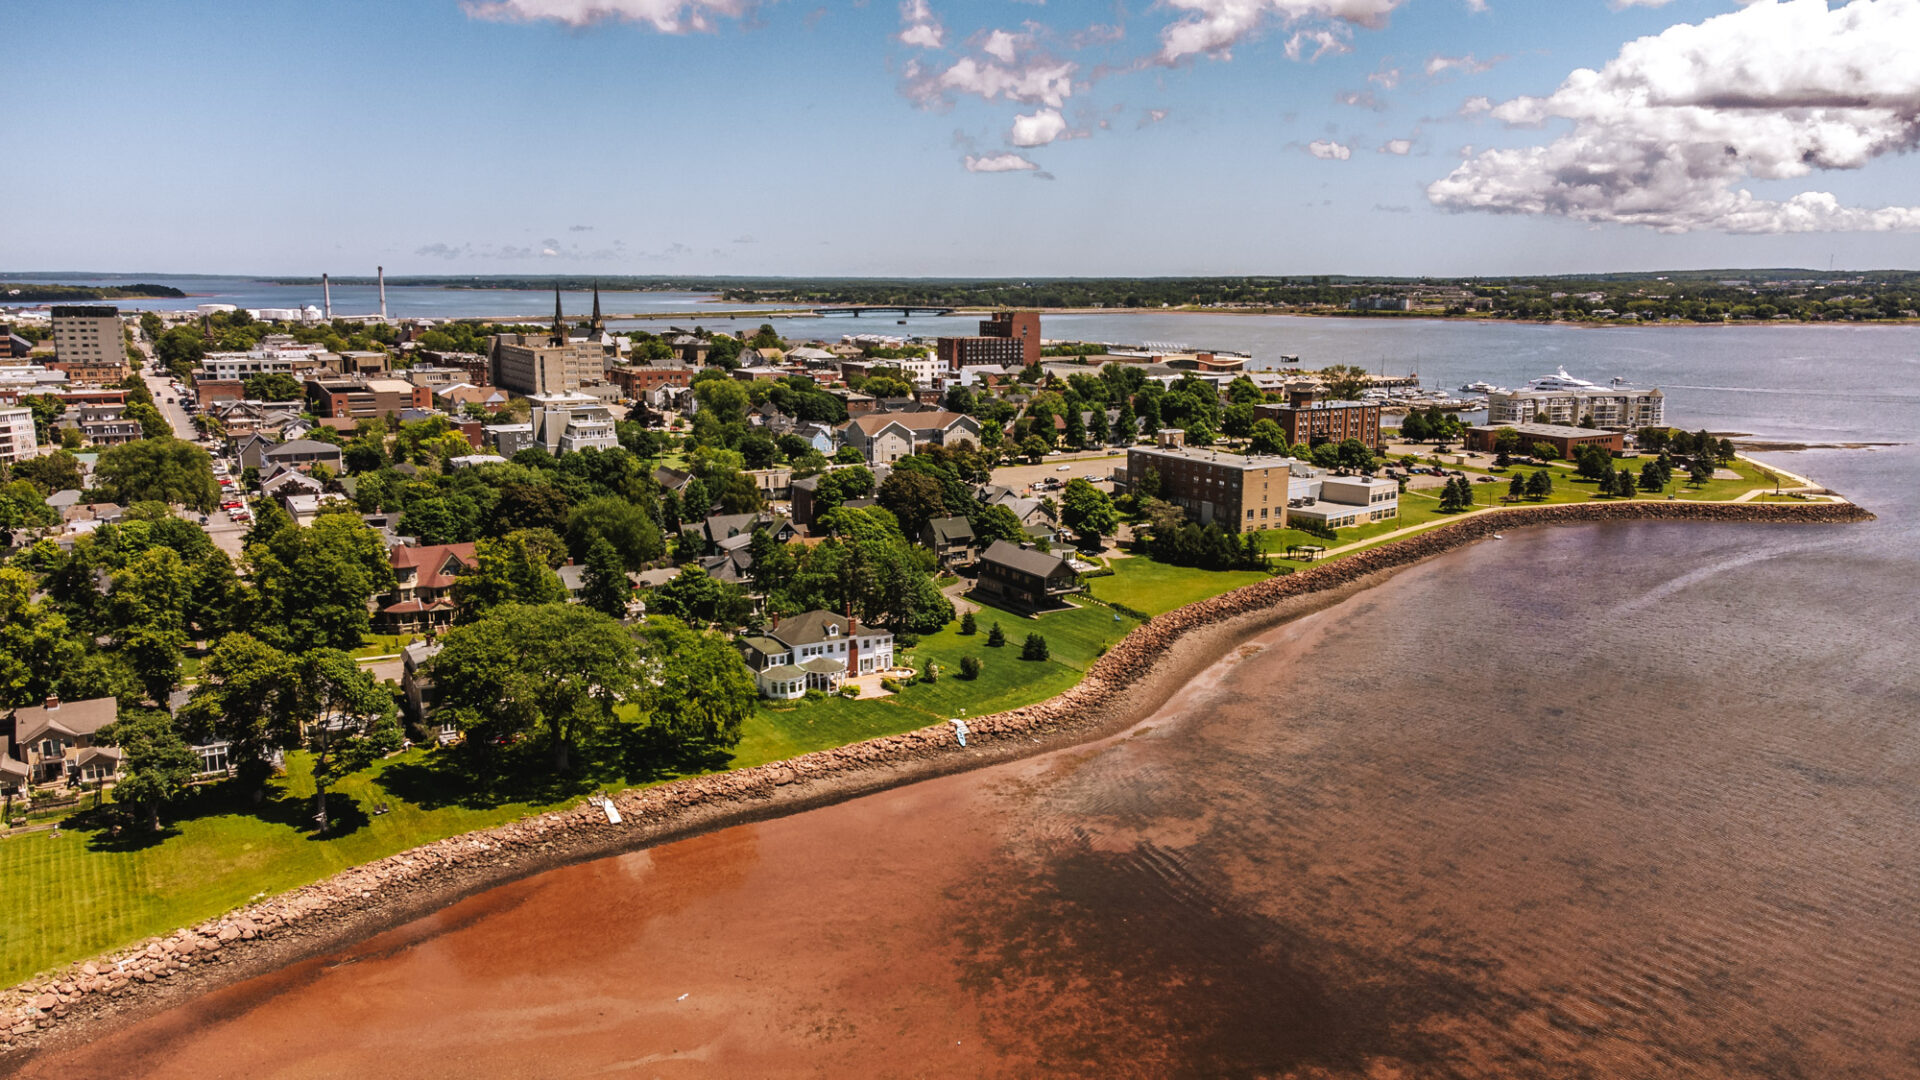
{"points": [[1136, 676]]}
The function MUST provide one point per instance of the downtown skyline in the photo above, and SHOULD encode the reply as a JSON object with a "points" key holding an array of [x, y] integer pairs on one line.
{"points": [[641, 137]]}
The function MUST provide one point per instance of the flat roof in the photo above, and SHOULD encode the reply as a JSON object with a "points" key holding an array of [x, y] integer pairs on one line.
{"points": [[1216, 457], [1557, 431]]}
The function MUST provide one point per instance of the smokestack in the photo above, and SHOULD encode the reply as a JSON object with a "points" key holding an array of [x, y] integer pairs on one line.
{"points": [[381, 271], [326, 298]]}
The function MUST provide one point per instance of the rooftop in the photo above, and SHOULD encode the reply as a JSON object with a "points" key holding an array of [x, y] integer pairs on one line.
{"points": [[1217, 457], [1555, 431]]}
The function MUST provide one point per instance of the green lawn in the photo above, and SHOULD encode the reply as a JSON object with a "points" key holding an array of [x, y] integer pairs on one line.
{"points": [[1155, 588]]}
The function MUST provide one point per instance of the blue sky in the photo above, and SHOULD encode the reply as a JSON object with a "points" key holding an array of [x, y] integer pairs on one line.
{"points": [[831, 137]]}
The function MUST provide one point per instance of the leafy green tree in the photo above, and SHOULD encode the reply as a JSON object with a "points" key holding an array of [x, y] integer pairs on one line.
{"points": [[1034, 448], [314, 583], [1456, 496], [160, 469], [604, 584], [632, 533], [1087, 510], [24, 506], [915, 498], [766, 338], [968, 626], [996, 522], [348, 720], [694, 596], [996, 637], [1517, 487], [271, 386], [774, 563], [554, 672], [1540, 484], [50, 472], [969, 667], [156, 765], [1700, 471], [1035, 648], [149, 604], [701, 694], [1650, 478], [245, 694], [1267, 438], [364, 455], [506, 571], [37, 643], [1413, 429]]}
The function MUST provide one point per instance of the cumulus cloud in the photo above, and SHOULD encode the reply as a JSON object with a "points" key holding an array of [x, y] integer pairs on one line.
{"points": [[922, 29], [1328, 150], [1214, 27], [992, 163], [1039, 129], [1440, 65], [1474, 106], [1360, 99], [1402, 147], [1664, 135], [1035, 81], [666, 16], [1003, 46]]}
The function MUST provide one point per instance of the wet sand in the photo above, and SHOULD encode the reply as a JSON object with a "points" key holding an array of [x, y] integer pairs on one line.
{"points": [[1449, 827]]}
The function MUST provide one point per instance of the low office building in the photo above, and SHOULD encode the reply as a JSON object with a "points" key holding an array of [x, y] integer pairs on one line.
{"points": [[636, 380], [509, 439], [1239, 492], [358, 398], [1565, 441], [1307, 421], [1340, 502]]}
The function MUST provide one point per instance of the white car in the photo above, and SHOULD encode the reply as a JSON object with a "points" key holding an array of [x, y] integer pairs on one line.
{"points": [[1063, 468]]}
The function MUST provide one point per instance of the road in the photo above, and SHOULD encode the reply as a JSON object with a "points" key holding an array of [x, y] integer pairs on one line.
{"points": [[159, 384]]}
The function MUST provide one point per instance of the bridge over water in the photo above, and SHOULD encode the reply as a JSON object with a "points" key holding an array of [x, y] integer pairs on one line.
{"points": [[904, 311]]}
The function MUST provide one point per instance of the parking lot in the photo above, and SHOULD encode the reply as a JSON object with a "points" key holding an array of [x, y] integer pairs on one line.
{"points": [[1021, 477]]}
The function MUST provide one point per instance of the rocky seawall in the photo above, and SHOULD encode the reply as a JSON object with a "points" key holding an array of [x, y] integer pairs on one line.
{"points": [[1126, 684]]}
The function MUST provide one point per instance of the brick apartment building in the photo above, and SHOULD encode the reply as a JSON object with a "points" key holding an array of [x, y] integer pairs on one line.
{"points": [[638, 379], [1239, 492], [1007, 339], [357, 398], [1564, 440], [1309, 422]]}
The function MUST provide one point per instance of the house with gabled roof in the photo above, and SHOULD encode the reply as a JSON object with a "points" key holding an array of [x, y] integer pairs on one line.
{"points": [[57, 741], [1024, 576], [890, 436], [952, 541], [422, 596], [815, 651]]}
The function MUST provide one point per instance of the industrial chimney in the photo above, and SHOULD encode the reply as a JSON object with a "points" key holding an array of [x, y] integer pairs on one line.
{"points": [[326, 298], [381, 271]]}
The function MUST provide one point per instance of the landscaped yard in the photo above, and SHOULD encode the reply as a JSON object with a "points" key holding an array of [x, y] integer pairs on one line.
{"points": [[1155, 588]]}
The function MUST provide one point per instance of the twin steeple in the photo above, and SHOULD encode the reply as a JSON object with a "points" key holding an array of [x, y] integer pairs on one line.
{"points": [[596, 324]]}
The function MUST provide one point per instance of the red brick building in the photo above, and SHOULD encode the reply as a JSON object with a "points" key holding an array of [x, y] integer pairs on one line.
{"points": [[1008, 339], [1308, 422], [1564, 440], [637, 379]]}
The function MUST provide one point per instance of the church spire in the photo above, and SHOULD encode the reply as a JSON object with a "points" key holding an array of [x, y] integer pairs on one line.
{"points": [[596, 324], [559, 327]]}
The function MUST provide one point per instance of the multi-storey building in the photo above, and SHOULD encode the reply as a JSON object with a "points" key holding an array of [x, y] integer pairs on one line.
{"points": [[1239, 492], [635, 380], [108, 425], [18, 441], [1020, 326], [88, 338], [550, 363], [358, 397], [888, 437], [563, 423], [1564, 400], [955, 353], [1309, 422]]}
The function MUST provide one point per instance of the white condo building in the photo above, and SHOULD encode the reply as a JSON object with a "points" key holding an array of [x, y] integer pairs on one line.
{"points": [[1562, 399], [17, 440]]}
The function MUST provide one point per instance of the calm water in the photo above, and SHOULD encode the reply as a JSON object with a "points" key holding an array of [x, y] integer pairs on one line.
{"points": [[1596, 801]]}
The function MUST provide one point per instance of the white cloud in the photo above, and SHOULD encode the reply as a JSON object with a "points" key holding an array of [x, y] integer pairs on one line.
{"points": [[999, 163], [1037, 81], [1331, 39], [1152, 116], [666, 16], [1439, 65], [1039, 129], [1402, 147], [1386, 78], [1474, 106], [1003, 46], [1328, 150], [1213, 27], [1666, 132], [923, 30]]}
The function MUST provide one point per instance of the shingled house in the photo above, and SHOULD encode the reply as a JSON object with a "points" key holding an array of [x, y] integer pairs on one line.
{"points": [[815, 651], [422, 596], [1023, 576]]}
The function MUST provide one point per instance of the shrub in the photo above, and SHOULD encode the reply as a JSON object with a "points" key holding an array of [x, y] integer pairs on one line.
{"points": [[851, 690], [816, 694], [969, 667], [930, 673], [1035, 648], [891, 686], [996, 637], [968, 625]]}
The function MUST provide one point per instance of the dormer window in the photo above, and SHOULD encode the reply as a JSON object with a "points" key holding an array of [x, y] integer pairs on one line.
{"points": [[833, 631]]}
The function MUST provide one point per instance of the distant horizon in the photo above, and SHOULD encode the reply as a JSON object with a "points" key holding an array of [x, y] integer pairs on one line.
{"points": [[401, 278]]}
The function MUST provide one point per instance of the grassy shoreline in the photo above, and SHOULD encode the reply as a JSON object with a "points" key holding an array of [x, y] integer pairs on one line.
{"points": [[75, 895]]}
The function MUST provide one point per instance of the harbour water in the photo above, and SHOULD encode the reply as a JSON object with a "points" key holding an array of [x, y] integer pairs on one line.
{"points": [[1591, 801]]}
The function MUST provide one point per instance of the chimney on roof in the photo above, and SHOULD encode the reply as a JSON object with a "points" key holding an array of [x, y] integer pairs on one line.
{"points": [[52, 702]]}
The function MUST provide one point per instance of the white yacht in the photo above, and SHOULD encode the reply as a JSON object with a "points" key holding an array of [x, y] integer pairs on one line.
{"points": [[1561, 381], [1482, 387]]}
